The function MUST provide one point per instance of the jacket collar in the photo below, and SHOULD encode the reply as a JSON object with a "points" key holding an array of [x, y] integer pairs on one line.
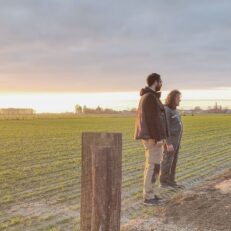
{"points": [[157, 93]]}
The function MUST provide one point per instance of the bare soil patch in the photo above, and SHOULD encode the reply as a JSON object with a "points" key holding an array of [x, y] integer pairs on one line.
{"points": [[203, 208]]}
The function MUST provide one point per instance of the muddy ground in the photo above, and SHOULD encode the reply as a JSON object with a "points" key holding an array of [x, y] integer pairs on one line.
{"points": [[203, 208]]}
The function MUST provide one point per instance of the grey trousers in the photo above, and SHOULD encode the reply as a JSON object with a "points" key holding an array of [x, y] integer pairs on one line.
{"points": [[168, 166]]}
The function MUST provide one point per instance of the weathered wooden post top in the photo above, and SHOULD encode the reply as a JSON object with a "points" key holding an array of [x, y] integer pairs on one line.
{"points": [[101, 181]]}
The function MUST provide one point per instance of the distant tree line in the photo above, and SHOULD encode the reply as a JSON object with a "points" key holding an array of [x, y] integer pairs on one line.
{"points": [[79, 110], [17, 111], [215, 109], [99, 110]]}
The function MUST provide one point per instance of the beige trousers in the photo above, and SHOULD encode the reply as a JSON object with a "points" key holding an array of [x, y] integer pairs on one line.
{"points": [[153, 156]]}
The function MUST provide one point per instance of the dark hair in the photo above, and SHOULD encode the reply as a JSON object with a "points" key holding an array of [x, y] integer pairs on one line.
{"points": [[152, 78], [171, 97]]}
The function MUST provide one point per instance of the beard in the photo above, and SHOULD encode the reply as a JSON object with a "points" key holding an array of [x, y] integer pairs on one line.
{"points": [[158, 87]]}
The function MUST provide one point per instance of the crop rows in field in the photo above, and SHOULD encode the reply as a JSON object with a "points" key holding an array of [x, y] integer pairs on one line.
{"points": [[41, 158]]}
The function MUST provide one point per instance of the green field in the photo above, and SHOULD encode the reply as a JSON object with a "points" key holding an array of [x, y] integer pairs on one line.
{"points": [[40, 166]]}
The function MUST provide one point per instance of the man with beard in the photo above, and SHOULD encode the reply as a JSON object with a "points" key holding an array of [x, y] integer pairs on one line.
{"points": [[151, 128]]}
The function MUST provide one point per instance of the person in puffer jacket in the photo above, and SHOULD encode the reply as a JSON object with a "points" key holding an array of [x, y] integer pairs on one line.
{"points": [[175, 127], [151, 128]]}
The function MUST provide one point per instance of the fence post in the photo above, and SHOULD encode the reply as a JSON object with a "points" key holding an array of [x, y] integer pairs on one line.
{"points": [[101, 181]]}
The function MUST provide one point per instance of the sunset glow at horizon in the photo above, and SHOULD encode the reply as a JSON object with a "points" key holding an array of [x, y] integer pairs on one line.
{"points": [[65, 102]]}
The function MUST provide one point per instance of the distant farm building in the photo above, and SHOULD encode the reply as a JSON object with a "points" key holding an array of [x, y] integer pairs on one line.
{"points": [[17, 111]]}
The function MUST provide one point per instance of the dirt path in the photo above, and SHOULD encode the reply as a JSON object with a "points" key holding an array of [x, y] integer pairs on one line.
{"points": [[204, 208]]}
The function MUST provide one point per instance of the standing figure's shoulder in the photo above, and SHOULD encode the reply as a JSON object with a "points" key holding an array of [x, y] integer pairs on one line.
{"points": [[149, 96], [167, 109]]}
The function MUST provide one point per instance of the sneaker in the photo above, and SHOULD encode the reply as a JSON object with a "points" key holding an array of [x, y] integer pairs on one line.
{"points": [[158, 198], [168, 186], [178, 186], [151, 202]]}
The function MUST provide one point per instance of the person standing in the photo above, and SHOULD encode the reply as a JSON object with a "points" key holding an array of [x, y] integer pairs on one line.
{"points": [[151, 128], [169, 160]]}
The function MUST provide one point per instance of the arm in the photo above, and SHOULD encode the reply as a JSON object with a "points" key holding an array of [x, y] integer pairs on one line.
{"points": [[169, 145], [168, 118]]}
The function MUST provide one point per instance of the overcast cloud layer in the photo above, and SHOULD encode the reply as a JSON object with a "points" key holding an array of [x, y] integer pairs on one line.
{"points": [[71, 45]]}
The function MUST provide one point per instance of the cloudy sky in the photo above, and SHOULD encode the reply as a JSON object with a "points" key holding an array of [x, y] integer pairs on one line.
{"points": [[104, 45]]}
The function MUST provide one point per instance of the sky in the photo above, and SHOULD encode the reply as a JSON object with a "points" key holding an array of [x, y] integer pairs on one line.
{"points": [[56, 46]]}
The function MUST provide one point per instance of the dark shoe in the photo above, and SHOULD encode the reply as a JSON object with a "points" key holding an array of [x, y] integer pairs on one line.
{"points": [[178, 186], [171, 183], [158, 198], [151, 202], [168, 186]]}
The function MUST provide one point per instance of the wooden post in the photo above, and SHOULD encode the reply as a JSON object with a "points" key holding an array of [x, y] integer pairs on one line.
{"points": [[101, 181]]}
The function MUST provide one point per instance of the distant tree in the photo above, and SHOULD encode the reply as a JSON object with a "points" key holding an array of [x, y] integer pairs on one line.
{"points": [[84, 109], [197, 108], [133, 110], [183, 113], [217, 108], [98, 110], [109, 111], [78, 109]]}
